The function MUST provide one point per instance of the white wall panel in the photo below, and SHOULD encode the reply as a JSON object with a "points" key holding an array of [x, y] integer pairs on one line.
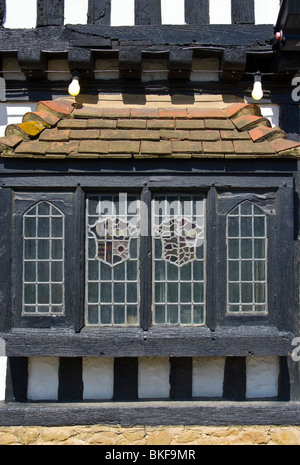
{"points": [[12, 113], [208, 376], [172, 12], [122, 13], [220, 11], [20, 14], [262, 377], [266, 11], [76, 11], [98, 378], [271, 112], [153, 377], [3, 363], [43, 378]]}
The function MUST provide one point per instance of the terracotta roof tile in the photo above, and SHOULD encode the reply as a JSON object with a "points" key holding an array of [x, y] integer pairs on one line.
{"points": [[60, 108], [265, 133], [58, 129], [247, 122]]}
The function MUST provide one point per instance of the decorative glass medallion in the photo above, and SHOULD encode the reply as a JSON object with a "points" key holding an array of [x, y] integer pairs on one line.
{"points": [[113, 236], [179, 259], [112, 260]]}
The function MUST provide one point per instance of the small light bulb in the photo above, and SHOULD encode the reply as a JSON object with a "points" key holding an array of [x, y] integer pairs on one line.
{"points": [[257, 92], [74, 87]]}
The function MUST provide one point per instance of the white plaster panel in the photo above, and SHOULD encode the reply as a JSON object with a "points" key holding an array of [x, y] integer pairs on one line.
{"points": [[154, 70], [76, 11], [172, 12], [266, 11], [58, 70], [205, 69], [122, 13], [12, 113], [43, 378], [208, 376], [153, 377], [220, 11], [262, 377], [107, 69], [11, 69], [271, 112], [20, 14], [3, 363], [98, 378]]}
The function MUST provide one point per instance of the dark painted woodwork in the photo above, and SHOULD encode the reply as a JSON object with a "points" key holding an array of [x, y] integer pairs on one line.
{"points": [[290, 121], [130, 63], [284, 386], [126, 378], [32, 62], [78, 247], [181, 369], [147, 12], [99, 12], [70, 384], [5, 258], [234, 387], [50, 13], [242, 11], [117, 342], [233, 63], [59, 38], [146, 262], [2, 11], [152, 414], [180, 63], [81, 59], [16, 379], [197, 12]]}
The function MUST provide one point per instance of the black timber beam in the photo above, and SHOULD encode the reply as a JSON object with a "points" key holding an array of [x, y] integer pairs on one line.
{"points": [[50, 13], [60, 38], [2, 11], [206, 413]]}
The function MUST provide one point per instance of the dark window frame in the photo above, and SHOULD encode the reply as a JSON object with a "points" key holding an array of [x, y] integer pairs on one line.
{"points": [[216, 213]]}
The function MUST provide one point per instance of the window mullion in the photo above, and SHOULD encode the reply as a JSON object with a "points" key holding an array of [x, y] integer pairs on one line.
{"points": [[145, 260]]}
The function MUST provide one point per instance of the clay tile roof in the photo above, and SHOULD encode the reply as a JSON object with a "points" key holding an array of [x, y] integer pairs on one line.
{"points": [[59, 129]]}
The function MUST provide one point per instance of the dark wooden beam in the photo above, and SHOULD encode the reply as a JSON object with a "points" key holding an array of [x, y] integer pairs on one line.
{"points": [[2, 11], [5, 258], [284, 386], [147, 12], [17, 379], [70, 385], [99, 12], [126, 378], [234, 387], [181, 378], [50, 13], [242, 11], [197, 12]]}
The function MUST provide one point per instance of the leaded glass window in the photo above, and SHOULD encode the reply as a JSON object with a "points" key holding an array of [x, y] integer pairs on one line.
{"points": [[247, 259], [112, 266], [179, 259], [43, 260]]}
